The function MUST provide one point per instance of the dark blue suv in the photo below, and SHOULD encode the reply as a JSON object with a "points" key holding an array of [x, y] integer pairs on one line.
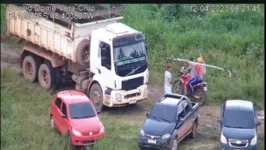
{"points": [[172, 119], [238, 126]]}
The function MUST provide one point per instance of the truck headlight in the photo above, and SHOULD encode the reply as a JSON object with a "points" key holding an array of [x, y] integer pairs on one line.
{"points": [[77, 133], [142, 133], [118, 97], [166, 136], [223, 139], [254, 140]]}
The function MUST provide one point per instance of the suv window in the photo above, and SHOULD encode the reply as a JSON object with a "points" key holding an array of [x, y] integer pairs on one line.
{"points": [[58, 102], [64, 109]]}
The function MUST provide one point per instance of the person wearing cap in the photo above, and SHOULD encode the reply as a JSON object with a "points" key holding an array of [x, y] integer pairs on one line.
{"points": [[199, 74], [168, 79]]}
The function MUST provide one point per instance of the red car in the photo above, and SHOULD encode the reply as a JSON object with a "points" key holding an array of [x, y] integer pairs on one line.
{"points": [[72, 113]]}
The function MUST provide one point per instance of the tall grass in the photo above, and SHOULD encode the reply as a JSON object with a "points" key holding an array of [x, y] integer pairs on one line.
{"points": [[231, 39]]}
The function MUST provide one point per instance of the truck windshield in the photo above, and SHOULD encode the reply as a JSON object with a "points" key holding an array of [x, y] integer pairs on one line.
{"points": [[164, 113], [81, 110], [129, 54], [239, 119]]}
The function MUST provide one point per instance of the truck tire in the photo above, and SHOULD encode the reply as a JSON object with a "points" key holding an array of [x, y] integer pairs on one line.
{"points": [[96, 96], [83, 53], [30, 68], [46, 76]]}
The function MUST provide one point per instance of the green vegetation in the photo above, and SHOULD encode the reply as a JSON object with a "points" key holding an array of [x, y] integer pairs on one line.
{"points": [[233, 39], [25, 121]]}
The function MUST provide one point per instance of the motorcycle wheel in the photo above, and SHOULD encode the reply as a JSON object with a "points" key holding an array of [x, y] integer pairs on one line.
{"points": [[201, 93], [177, 87]]}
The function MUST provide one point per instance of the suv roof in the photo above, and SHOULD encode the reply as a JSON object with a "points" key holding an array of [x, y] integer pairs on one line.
{"points": [[239, 104]]}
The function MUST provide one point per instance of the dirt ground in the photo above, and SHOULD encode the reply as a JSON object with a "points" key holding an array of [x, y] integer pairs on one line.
{"points": [[208, 114]]}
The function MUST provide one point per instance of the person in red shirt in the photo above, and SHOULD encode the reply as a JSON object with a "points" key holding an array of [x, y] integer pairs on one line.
{"points": [[199, 74]]}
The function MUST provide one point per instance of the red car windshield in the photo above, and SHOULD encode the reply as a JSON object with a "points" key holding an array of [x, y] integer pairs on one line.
{"points": [[81, 110]]}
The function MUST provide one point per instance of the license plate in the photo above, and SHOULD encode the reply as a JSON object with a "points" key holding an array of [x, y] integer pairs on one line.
{"points": [[205, 88], [132, 102], [151, 141]]}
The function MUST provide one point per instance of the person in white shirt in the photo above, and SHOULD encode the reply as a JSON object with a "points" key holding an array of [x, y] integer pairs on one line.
{"points": [[168, 80]]}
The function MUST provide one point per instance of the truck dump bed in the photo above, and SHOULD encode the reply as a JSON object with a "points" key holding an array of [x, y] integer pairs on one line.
{"points": [[50, 26]]}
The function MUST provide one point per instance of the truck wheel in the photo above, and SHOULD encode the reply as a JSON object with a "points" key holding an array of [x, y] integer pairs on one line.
{"points": [[193, 133], [46, 76], [201, 93], [174, 145], [30, 68], [96, 96], [177, 87], [83, 53]]}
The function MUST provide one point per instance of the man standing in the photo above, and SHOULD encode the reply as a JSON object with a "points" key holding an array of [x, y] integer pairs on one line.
{"points": [[168, 80]]}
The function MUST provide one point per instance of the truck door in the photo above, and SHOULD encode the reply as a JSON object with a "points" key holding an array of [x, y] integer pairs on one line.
{"points": [[106, 65]]}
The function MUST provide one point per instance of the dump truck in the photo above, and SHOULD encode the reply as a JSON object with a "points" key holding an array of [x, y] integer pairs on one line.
{"points": [[84, 43]]}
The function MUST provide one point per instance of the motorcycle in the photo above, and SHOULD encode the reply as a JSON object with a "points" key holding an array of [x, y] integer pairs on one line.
{"points": [[181, 86]]}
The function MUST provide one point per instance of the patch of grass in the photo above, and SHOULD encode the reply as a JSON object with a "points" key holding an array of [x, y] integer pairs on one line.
{"points": [[25, 121]]}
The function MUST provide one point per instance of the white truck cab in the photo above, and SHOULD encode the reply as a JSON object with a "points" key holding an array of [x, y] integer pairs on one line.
{"points": [[119, 64]]}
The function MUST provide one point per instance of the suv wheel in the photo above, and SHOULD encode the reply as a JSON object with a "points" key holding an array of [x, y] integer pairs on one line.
{"points": [[174, 144]]}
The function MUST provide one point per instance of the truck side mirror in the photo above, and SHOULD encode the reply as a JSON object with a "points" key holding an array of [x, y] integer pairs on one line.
{"points": [[102, 45], [104, 52], [258, 123]]}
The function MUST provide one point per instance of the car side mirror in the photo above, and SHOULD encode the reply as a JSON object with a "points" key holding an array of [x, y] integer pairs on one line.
{"points": [[63, 116], [98, 113], [258, 123], [219, 120], [147, 114]]}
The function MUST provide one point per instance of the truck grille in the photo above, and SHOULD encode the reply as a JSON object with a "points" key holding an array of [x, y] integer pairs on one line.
{"points": [[132, 83], [238, 143]]}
